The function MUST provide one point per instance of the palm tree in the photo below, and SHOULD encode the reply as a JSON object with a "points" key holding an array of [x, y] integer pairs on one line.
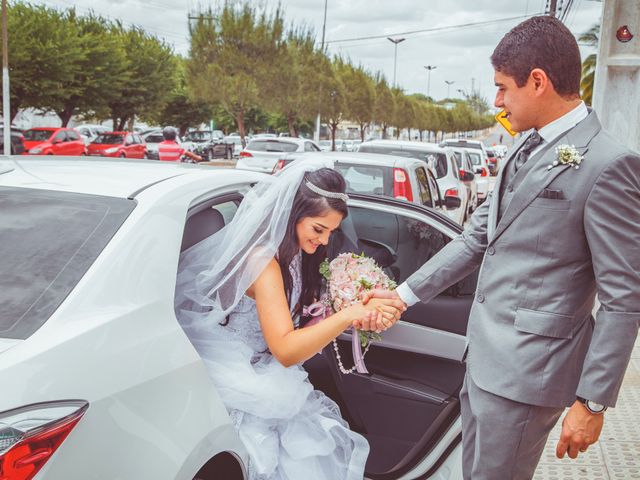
{"points": [[590, 38]]}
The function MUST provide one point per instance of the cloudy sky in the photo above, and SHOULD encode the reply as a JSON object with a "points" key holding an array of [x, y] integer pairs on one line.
{"points": [[460, 52]]}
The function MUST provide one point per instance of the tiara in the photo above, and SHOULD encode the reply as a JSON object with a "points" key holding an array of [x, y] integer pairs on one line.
{"points": [[340, 196]]}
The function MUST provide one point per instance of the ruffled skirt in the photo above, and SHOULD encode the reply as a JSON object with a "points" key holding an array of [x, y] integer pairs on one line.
{"points": [[290, 430]]}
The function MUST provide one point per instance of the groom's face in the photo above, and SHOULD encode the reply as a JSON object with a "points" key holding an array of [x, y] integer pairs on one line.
{"points": [[520, 103]]}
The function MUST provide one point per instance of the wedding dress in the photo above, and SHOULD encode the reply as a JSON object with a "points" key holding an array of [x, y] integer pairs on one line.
{"points": [[290, 430]]}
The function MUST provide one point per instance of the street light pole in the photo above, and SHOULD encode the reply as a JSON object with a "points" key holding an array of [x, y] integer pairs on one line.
{"points": [[6, 111], [449, 83], [395, 41], [316, 135], [429, 68]]}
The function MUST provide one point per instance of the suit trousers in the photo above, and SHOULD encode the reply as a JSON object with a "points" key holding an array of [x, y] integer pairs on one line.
{"points": [[501, 439]]}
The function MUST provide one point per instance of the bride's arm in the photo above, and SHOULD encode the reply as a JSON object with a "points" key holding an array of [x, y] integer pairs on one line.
{"points": [[290, 346]]}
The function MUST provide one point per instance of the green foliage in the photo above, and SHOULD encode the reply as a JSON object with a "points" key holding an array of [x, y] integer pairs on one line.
{"points": [[590, 37], [360, 95], [232, 58]]}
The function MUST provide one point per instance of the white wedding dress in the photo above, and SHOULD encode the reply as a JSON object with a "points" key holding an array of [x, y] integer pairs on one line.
{"points": [[290, 430]]}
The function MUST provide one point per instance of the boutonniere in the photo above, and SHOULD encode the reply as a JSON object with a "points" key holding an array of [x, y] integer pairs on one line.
{"points": [[567, 155]]}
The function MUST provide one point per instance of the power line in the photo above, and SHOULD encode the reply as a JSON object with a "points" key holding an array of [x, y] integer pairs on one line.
{"points": [[429, 30]]}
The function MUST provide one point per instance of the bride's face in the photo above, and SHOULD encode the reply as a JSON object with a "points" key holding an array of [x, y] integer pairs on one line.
{"points": [[315, 231]]}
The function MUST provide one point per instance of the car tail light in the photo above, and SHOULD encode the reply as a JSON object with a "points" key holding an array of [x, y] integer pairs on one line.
{"points": [[279, 166], [484, 172], [245, 154], [452, 192], [30, 435], [402, 185], [461, 172]]}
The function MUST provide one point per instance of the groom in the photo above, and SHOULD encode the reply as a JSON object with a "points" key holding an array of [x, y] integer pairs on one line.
{"points": [[553, 234]]}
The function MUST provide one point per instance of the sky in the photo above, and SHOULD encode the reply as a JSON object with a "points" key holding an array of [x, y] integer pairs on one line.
{"points": [[459, 52]]}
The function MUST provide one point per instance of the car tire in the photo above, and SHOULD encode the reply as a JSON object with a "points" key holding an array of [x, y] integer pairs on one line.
{"points": [[229, 155], [123, 155]]}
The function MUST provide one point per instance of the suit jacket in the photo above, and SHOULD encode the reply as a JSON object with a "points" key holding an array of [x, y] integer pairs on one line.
{"points": [[567, 235]]}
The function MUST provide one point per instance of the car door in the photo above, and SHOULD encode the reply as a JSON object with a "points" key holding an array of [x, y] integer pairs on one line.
{"points": [[58, 143], [129, 146], [426, 195], [75, 144], [407, 405]]}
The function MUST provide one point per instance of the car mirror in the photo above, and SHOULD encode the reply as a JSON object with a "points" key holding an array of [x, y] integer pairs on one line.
{"points": [[466, 176], [56, 141], [479, 170], [451, 203]]}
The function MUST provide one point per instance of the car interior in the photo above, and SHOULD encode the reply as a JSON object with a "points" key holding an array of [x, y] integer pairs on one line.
{"points": [[408, 399]]}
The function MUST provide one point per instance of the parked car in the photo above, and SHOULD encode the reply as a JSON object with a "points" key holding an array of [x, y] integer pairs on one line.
{"points": [[17, 141], [492, 161], [89, 132], [262, 154], [98, 376], [325, 145], [118, 144], [481, 170], [53, 141], [440, 160], [402, 178], [209, 144], [463, 161], [152, 139], [236, 140]]}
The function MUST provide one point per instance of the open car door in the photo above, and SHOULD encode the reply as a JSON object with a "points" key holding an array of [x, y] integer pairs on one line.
{"points": [[407, 406]]}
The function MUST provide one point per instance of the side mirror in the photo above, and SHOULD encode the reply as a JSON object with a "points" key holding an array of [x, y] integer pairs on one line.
{"points": [[479, 170], [451, 203], [55, 141]]}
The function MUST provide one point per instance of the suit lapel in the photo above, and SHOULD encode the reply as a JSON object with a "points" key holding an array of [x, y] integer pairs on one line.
{"points": [[540, 176], [494, 207]]}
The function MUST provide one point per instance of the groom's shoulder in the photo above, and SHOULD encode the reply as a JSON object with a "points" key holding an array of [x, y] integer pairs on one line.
{"points": [[607, 151]]}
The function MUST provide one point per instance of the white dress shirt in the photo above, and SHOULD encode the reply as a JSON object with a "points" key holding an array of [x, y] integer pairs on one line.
{"points": [[548, 133]]}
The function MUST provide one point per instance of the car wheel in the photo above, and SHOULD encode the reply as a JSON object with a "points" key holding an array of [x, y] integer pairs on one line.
{"points": [[229, 154], [123, 155], [145, 156]]}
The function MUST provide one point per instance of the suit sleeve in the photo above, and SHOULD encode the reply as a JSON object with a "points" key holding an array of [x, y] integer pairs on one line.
{"points": [[611, 222], [456, 260]]}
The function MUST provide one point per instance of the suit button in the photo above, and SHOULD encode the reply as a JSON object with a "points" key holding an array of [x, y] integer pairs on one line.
{"points": [[511, 188], [491, 250], [480, 298]]}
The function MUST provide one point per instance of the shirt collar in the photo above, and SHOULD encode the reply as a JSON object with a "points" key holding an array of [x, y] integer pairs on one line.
{"points": [[566, 122]]}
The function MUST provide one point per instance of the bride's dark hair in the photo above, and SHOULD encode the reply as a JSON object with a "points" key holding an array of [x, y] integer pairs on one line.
{"points": [[307, 203]]}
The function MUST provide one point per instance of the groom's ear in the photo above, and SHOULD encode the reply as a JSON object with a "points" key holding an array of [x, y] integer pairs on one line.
{"points": [[539, 81]]}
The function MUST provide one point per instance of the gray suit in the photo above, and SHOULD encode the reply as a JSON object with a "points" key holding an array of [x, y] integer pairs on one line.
{"points": [[544, 251]]}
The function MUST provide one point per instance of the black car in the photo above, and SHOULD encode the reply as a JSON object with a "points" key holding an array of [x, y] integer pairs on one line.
{"points": [[17, 141], [210, 144]]}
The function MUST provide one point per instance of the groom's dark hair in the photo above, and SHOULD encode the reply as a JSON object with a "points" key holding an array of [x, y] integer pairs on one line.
{"points": [[541, 42]]}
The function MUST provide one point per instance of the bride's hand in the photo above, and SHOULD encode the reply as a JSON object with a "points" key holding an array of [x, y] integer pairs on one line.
{"points": [[378, 314]]}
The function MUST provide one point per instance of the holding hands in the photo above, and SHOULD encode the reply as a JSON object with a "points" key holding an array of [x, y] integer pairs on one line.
{"points": [[380, 310]]}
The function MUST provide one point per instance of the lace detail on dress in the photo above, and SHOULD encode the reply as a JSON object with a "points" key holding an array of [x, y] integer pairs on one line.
{"points": [[295, 268]]}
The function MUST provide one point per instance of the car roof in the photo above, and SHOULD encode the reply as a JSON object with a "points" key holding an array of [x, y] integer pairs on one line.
{"points": [[377, 159], [403, 143], [109, 177], [48, 129]]}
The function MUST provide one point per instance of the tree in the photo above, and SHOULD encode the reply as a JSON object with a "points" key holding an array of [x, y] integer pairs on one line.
{"points": [[333, 95], [384, 106], [150, 66], [99, 70], [360, 98], [43, 56], [590, 38], [231, 57], [180, 110]]}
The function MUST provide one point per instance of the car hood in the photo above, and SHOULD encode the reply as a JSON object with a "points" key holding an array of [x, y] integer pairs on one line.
{"points": [[29, 144]]}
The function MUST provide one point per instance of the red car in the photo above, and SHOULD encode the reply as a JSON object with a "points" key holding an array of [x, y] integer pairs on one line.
{"points": [[53, 141], [118, 144]]}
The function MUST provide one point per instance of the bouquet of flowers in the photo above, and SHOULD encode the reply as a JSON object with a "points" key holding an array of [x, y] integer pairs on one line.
{"points": [[348, 276]]}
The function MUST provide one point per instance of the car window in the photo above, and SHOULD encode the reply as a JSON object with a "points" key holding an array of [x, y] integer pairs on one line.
{"points": [[37, 135], [49, 240], [154, 138], [128, 139], [423, 185], [108, 139], [198, 136], [267, 145], [454, 169], [475, 158], [61, 136], [434, 189], [72, 136], [205, 220], [308, 147], [367, 179]]}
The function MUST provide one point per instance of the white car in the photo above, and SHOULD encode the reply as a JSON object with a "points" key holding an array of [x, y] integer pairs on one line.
{"points": [[261, 154], [89, 132], [237, 144], [325, 145], [467, 175], [440, 160], [479, 158], [99, 380]]}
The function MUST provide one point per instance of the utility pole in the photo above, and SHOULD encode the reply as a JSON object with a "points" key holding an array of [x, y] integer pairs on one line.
{"points": [[316, 135], [395, 41], [6, 110], [449, 83], [429, 68]]}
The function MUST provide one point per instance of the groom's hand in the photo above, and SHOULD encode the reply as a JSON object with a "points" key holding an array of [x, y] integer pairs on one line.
{"points": [[580, 428], [378, 323]]}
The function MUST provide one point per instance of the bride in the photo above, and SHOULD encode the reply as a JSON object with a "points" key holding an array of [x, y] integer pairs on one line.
{"points": [[240, 296]]}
